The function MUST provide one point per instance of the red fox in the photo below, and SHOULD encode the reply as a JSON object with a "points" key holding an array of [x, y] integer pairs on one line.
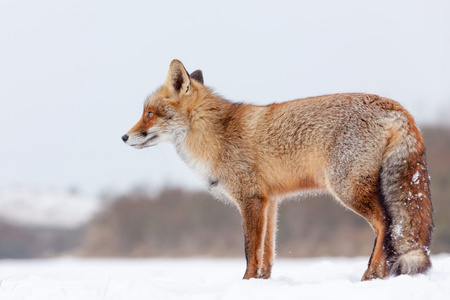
{"points": [[363, 149]]}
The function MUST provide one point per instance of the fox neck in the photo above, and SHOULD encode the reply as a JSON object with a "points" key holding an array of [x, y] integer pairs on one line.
{"points": [[201, 144]]}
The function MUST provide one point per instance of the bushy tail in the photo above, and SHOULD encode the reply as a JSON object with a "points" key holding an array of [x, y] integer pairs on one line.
{"points": [[406, 199]]}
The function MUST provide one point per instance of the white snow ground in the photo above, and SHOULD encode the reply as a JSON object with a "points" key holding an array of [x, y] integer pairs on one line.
{"points": [[318, 278]]}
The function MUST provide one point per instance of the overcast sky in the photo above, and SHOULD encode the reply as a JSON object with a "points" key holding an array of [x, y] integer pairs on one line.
{"points": [[74, 74]]}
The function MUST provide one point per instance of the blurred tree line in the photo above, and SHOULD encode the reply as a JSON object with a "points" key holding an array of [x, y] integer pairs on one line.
{"points": [[191, 223], [185, 223], [20, 241]]}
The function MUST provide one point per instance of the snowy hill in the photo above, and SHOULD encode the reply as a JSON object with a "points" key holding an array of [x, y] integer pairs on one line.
{"points": [[28, 206], [318, 278]]}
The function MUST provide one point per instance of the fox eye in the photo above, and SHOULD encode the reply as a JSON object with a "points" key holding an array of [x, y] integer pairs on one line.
{"points": [[150, 114]]}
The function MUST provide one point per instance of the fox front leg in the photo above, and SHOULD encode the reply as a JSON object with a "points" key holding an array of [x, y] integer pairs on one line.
{"points": [[258, 245]]}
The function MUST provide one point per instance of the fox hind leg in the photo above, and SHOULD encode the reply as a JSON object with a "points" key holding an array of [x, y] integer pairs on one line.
{"points": [[396, 202], [361, 196]]}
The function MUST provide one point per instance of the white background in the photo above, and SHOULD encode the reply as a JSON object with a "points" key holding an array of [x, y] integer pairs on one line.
{"points": [[74, 74]]}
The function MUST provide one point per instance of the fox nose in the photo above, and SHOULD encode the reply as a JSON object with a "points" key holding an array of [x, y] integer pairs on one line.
{"points": [[125, 138]]}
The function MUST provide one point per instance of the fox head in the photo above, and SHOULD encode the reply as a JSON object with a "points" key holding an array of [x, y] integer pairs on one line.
{"points": [[166, 112]]}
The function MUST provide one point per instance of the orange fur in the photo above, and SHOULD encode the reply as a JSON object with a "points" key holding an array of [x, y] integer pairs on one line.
{"points": [[363, 149]]}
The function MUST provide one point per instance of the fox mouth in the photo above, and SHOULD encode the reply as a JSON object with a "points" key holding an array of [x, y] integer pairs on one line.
{"points": [[146, 143]]}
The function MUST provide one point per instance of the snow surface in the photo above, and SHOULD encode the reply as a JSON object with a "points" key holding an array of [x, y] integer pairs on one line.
{"points": [[46, 207], [318, 278]]}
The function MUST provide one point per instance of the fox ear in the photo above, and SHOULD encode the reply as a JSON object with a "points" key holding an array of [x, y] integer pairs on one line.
{"points": [[197, 75], [178, 81]]}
